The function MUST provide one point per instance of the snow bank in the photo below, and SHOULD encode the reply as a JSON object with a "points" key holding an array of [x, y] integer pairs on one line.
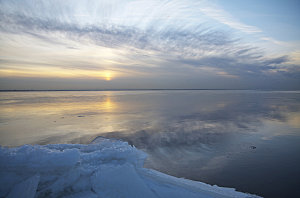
{"points": [[105, 168]]}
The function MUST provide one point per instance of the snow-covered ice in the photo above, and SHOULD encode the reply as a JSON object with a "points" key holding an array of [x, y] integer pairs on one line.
{"points": [[104, 169]]}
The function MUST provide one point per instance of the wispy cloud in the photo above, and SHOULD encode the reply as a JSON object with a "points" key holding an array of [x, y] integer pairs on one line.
{"points": [[225, 18]]}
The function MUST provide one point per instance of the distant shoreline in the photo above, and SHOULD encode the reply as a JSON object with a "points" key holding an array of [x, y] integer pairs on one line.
{"points": [[41, 90]]}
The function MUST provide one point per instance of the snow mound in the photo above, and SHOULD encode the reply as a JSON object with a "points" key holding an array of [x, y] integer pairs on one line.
{"points": [[105, 168]]}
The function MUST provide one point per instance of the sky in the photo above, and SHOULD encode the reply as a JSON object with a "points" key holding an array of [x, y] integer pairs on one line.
{"points": [[149, 44]]}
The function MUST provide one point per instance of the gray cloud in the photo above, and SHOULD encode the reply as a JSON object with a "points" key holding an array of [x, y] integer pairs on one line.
{"points": [[116, 35]]}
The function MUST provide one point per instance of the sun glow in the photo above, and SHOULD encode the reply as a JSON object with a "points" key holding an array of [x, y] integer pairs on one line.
{"points": [[107, 75], [50, 72]]}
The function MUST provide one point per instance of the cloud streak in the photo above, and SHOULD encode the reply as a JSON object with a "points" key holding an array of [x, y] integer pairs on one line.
{"points": [[225, 18]]}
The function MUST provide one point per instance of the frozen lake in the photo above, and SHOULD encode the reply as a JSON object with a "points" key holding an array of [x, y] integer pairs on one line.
{"points": [[248, 140]]}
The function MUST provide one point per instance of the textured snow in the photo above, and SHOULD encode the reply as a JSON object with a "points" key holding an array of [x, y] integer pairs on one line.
{"points": [[105, 168]]}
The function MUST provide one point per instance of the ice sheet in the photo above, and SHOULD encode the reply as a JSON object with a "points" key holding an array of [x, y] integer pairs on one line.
{"points": [[105, 168]]}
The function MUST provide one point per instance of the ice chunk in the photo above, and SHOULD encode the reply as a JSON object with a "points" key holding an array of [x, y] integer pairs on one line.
{"points": [[7, 181], [124, 181], [32, 158], [26, 189], [87, 194]]}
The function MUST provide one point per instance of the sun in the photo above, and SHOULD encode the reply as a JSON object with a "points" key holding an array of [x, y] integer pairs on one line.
{"points": [[107, 75]]}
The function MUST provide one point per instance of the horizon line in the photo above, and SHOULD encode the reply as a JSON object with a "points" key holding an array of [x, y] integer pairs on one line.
{"points": [[33, 90]]}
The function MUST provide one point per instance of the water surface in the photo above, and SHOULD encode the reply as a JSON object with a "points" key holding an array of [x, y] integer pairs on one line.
{"points": [[243, 139]]}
